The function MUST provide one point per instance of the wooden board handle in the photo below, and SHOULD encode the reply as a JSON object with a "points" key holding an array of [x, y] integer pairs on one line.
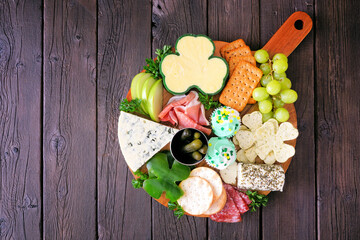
{"points": [[290, 34]]}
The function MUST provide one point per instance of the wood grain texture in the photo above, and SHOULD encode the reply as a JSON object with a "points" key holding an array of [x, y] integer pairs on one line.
{"points": [[338, 119], [229, 21], [20, 120], [171, 19], [234, 19], [123, 45], [295, 207], [69, 119]]}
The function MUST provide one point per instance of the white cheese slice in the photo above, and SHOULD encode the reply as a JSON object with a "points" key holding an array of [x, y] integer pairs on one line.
{"points": [[229, 174], [140, 139]]}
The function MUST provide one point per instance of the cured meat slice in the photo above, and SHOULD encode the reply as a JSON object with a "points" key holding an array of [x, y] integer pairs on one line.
{"points": [[177, 101], [230, 213], [245, 198], [235, 195], [186, 111], [185, 121], [202, 118]]}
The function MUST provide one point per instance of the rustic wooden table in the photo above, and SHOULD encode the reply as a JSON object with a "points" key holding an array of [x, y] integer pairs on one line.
{"points": [[66, 65]]}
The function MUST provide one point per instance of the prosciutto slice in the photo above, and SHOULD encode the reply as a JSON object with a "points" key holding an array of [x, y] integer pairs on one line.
{"points": [[186, 111]]}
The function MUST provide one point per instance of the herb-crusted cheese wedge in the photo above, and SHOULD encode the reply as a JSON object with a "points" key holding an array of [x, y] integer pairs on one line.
{"points": [[140, 139], [261, 177]]}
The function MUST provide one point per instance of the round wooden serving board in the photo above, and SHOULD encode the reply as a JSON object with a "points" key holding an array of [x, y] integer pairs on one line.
{"points": [[285, 40]]}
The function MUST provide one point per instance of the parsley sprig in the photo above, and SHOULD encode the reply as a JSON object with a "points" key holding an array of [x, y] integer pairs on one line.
{"points": [[138, 183], [208, 102], [153, 65], [178, 210], [257, 200], [131, 106]]}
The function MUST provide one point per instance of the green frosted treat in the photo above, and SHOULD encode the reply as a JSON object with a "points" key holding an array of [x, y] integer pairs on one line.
{"points": [[225, 121], [221, 153]]}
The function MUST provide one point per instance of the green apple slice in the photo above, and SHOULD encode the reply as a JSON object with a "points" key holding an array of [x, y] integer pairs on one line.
{"points": [[154, 101], [145, 92], [140, 84], [135, 83]]}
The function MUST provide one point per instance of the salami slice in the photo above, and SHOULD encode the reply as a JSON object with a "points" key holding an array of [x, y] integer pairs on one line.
{"points": [[229, 213], [235, 195], [245, 197]]}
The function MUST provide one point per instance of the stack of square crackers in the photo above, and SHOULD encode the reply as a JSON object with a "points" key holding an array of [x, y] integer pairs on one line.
{"points": [[244, 75]]}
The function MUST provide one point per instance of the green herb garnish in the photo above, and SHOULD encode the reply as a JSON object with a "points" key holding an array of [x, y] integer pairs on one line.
{"points": [[208, 102], [153, 65], [138, 183], [131, 106], [178, 210], [257, 200]]}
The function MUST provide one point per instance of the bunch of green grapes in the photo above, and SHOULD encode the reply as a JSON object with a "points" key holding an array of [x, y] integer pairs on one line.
{"points": [[275, 88]]}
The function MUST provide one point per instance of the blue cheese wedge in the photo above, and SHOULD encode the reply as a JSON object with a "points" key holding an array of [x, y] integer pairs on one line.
{"points": [[261, 177], [140, 139]]}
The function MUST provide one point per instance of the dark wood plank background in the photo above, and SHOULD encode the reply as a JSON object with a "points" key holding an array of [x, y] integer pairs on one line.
{"points": [[66, 64]]}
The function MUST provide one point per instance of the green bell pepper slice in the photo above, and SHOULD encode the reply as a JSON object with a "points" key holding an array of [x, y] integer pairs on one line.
{"points": [[163, 178]]}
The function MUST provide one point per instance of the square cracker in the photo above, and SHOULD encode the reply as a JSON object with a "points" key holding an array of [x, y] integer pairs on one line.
{"points": [[240, 86], [230, 46], [251, 101], [234, 61], [242, 51]]}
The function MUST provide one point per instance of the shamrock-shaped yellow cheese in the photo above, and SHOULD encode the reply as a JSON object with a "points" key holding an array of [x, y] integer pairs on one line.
{"points": [[194, 66]]}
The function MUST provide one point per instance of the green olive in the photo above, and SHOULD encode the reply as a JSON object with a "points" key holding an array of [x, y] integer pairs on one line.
{"points": [[196, 156], [186, 134], [193, 146], [203, 149], [197, 135]]}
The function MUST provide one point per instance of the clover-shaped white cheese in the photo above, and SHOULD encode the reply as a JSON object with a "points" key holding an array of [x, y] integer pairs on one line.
{"points": [[265, 140], [194, 66]]}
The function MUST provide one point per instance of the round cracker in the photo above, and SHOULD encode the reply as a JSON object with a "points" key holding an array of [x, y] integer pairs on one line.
{"points": [[212, 177], [218, 205], [198, 195]]}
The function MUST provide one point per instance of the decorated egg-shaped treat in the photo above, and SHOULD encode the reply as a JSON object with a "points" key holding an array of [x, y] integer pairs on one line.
{"points": [[221, 153], [225, 121]]}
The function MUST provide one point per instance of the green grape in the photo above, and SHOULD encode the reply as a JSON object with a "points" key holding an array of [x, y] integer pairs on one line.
{"points": [[260, 94], [265, 68], [265, 106], [279, 75], [288, 96], [278, 103], [281, 114], [267, 116], [285, 83], [261, 56], [273, 87], [279, 56], [270, 98], [280, 66], [265, 80]]}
